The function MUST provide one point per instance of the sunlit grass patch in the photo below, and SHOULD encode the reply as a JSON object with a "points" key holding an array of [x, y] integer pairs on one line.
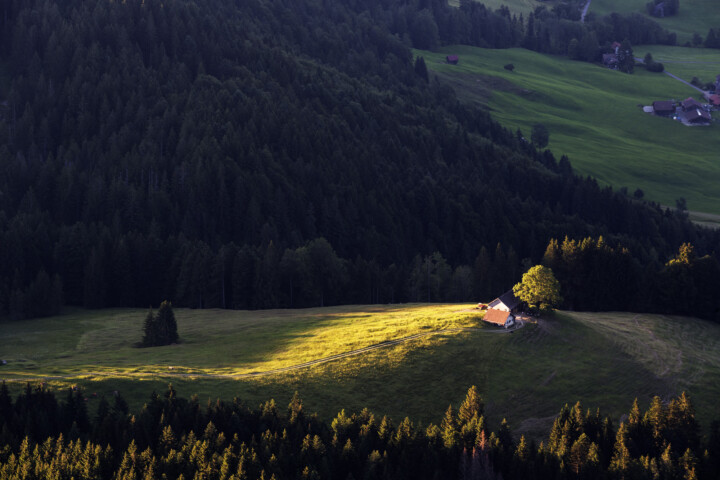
{"points": [[604, 360]]}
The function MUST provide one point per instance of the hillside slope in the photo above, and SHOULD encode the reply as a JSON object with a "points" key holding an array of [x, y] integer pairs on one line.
{"points": [[164, 151], [593, 116], [604, 360], [695, 16]]}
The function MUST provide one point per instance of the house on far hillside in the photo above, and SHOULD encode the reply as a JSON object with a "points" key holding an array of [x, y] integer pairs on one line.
{"points": [[698, 117], [690, 104], [664, 108], [500, 318], [507, 302], [714, 100], [452, 59], [610, 60]]}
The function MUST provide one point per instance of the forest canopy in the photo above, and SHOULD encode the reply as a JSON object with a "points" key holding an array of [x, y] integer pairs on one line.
{"points": [[173, 437], [292, 153]]}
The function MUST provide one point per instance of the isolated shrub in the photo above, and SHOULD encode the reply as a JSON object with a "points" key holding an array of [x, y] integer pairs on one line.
{"points": [[509, 67], [656, 67]]}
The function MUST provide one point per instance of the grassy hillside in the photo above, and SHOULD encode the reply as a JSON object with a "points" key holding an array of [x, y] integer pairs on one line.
{"points": [[694, 16], [594, 116], [685, 62], [605, 360]]}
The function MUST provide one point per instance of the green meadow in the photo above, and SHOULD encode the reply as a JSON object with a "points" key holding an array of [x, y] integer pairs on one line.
{"points": [[686, 63], [604, 360], [594, 116], [694, 15]]}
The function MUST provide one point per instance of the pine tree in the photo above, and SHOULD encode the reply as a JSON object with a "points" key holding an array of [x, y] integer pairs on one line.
{"points": [[167, 326], [449, 429], [149, 330], [421, 68], [160, 329]]}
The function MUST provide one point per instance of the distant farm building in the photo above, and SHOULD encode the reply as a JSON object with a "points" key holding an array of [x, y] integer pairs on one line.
{"points": [[610, 60], [698, 117], [664, 108], [690, 104], [500, 318], [714, 100], [452, 59]]}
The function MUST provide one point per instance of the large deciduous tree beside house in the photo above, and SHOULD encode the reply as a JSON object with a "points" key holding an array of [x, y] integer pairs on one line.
{"points": [[539, 288]]}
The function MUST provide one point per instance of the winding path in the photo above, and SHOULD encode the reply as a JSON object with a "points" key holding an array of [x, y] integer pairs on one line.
{"points": [[683, 81], [641, 60], [238, 376]]}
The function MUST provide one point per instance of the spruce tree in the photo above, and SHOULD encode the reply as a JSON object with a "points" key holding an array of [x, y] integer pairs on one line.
{"points": [[160, 329], [472, 406], [149, 330], [166, 324]]}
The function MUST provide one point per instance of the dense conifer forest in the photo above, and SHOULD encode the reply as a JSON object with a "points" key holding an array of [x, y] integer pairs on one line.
{"points": [[174, 438], [292, 153]]}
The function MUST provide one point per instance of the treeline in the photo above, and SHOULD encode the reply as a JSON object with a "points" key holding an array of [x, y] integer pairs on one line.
{"points": [[171, 437], [428, 24], [158, 150], [596, 276]]}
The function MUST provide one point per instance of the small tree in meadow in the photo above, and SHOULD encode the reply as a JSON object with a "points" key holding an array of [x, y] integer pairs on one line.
{"points": [[160, 329]]}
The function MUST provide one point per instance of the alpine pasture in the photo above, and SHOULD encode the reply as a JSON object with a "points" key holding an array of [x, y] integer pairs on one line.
{"points": [[594, 116], [694, 16], [603, 360]]}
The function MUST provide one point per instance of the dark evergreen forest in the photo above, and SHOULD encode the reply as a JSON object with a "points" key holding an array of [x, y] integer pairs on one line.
{"points": [[252, 154], [176, 438]]}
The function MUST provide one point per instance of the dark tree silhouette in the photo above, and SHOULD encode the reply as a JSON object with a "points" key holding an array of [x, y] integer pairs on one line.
{"points": [[160, 329]]}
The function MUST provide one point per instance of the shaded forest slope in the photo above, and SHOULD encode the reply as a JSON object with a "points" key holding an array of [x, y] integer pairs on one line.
{"points": [[156, 151]]}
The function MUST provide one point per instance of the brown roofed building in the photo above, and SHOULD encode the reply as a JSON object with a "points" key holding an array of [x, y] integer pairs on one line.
{"points": [[690, 104], [500, 318], [697, 116], [663, 107], [714, 100], [452, 59]]}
